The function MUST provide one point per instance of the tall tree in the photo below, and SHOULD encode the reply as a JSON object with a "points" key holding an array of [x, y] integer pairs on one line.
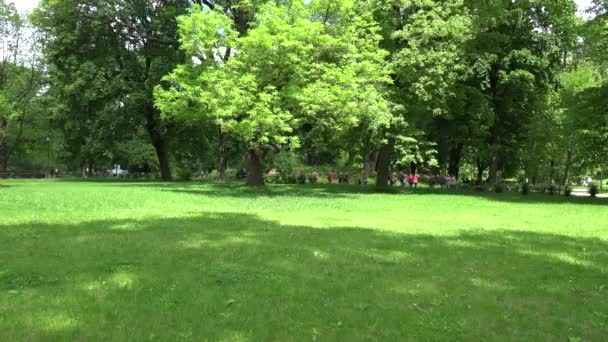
{"points": [[294, 64], [20, 79]]}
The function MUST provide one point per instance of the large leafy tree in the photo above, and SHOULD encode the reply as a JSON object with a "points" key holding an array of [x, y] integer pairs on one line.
{"points": [[294, 64], [20, 79], [426, 41], [105, 58]]}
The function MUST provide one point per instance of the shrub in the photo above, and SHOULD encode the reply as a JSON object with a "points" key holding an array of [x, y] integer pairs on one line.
{"points": [[499, 187], [567, 191], [525, 188], [551, 189], [285, 164], [593, 190], [301, 178], [481, 188], [313, 178], [432, 181], [271, 179], [185, 174]]}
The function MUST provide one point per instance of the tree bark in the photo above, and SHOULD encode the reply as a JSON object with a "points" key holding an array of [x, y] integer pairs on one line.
{"points": [[3, 157], [384, 164], [455, 157], [3, 145], [371, 161], [493, 176], [158, 141], [223, 156], [480, 170], [255, 170], [413, 168]]}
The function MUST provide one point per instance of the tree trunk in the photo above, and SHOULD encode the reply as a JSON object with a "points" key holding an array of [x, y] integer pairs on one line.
{"points": [[3, 157], [163, 157], [255, 170], [159, 142], [568, 166], [552, 172], [89, 169], [413, 168], [223, 156], [455, 157], [480, 170], [3, 146], [371, 162], [493, 176], [384, 164]]}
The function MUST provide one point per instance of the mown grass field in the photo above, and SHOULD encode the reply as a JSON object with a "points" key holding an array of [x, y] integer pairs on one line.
{"points": [[111, 261]]}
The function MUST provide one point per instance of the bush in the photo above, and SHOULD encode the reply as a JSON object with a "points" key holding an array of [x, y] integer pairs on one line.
{"points": [[551, 189], [185, 174], [286, 164], [593, 190], [432, 181], [525, 188], [301, 178], [567, 191], [271, 179], [313, 178], [291, 179], [481, 188], [499, 187]]}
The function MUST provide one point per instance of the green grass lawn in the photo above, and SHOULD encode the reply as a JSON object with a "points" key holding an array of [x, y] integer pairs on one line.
{"points": [[193, 261]]}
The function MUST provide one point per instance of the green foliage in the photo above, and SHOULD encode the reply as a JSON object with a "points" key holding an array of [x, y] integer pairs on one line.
{"points": [[290, 68], [286, 164]]}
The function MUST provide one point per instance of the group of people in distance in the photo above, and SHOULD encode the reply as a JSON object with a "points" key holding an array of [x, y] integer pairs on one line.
{"points": [[404, 179], [342, 178]]}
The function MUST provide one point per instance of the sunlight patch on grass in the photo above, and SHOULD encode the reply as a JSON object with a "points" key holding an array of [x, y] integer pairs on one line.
{"points": [[320, 254], [488, 284], [566, 258], [195, 242], [122, 280], [125, 226], [56, 322]]}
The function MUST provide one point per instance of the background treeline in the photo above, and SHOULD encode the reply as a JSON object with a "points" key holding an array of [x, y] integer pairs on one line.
{"points": [[476, 89]]}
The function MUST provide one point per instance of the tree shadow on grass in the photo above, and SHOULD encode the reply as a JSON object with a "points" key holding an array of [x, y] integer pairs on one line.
{"points": [[236, 276], [240, 190]]}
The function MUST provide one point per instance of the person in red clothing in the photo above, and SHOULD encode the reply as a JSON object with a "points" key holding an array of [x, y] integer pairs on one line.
{"points": [[412, 180], [330, 177]]}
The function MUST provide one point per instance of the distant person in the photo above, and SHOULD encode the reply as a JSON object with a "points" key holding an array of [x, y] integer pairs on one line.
{"points": [[412, 180], [363, 179], [330, 177]]}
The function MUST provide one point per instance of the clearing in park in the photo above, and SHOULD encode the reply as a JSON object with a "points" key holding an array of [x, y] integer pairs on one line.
{"points": [[117, 261]]}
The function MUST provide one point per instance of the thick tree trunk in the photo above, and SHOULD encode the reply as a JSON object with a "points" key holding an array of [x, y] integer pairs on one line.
{"points": [[159, 142], [223, 156], [384, 164], [255, 170], [455, 157], [493, 176]]}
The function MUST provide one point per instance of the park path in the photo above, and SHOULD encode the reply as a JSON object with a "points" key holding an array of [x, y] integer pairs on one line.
{"points": [[585, 193]]}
